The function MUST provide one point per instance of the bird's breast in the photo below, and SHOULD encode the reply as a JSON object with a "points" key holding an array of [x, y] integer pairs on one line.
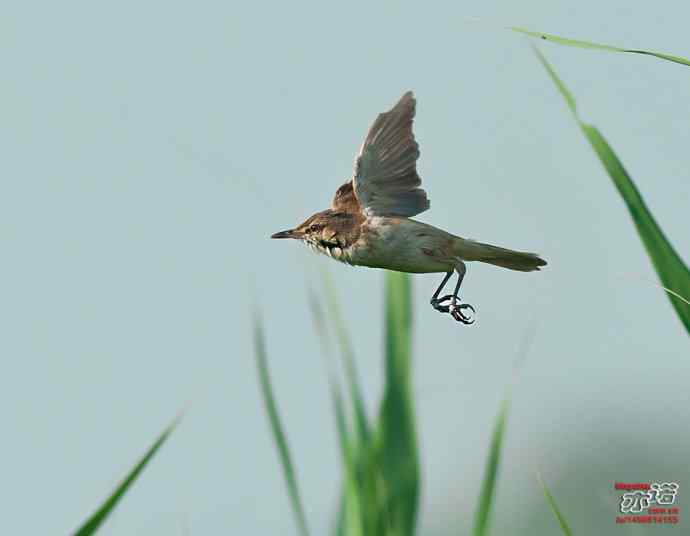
{"points": [[335, 251]]}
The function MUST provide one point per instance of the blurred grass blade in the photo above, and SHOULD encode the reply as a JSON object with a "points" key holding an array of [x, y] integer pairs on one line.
{"points": [[317, 317], [349, 520], [277, 428], [399, 457], [597, 46], [554, 508], [486, 496], [96, 520], [672, 271], [348, 360]]}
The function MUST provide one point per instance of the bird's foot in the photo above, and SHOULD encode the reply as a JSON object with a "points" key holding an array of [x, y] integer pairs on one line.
{"points": [[455, 309], [437, 304], [456, 312]]}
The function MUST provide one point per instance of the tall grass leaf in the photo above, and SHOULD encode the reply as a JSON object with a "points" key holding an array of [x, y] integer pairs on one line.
{"points": [[597, 46], [671, 269], [277, 428], [317, 317], [554, 508], [92, 524], [348, 361], [399, 457], [486, 496], [349, 518]]}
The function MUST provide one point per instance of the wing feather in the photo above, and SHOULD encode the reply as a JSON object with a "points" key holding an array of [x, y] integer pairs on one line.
{"points": [[385, 181]]}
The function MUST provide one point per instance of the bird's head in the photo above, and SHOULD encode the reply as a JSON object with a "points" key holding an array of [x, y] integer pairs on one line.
{"points": [[314, 229], [324, 230]]}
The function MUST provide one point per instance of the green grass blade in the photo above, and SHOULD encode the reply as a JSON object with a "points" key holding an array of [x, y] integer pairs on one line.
{"points": [[562, 89], [565, 41], [349, 519], [399, 457], [486, 496], [597, 46], [671, 269], [667, 57], [348, 361], [554, 508], [277, 428], [92, 524]]}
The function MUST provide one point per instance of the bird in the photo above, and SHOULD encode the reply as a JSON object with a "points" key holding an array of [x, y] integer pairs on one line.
{"points": [[369, 222]]}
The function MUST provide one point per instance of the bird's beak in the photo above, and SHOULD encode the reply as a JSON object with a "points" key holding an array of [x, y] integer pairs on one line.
{"points": [[285, 234]]}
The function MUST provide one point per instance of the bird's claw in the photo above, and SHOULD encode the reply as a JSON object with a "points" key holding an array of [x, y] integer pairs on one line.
{"points": [[455, 309], [436, 304], [456, 312]]}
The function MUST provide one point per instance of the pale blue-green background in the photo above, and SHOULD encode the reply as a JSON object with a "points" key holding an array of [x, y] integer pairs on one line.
{"points": [[149, 150]]}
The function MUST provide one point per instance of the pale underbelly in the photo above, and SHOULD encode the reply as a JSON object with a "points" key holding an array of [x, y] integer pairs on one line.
{"points": [[405, 246], [412, 266]]}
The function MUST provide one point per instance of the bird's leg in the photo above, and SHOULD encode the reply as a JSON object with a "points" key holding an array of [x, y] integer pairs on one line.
{"points": [[456, 308], [435, 302]]}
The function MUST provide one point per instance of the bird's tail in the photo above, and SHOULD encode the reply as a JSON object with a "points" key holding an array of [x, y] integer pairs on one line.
{"points": [[469, 250]]}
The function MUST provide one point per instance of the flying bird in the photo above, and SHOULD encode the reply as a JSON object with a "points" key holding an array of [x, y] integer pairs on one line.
{"points": [[370, 220]]}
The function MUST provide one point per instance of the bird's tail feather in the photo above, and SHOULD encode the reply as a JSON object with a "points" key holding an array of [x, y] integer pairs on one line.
{"points": [[469, 250]]}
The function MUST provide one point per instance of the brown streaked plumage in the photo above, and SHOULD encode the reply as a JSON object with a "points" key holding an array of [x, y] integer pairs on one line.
{"points": [[369, 222]]}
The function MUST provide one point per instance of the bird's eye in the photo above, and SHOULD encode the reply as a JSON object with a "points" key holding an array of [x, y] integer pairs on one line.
{"points": [[313, 228]]}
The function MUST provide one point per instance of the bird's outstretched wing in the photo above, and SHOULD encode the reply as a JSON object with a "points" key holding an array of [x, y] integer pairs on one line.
{"points": [[385, 180]]}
